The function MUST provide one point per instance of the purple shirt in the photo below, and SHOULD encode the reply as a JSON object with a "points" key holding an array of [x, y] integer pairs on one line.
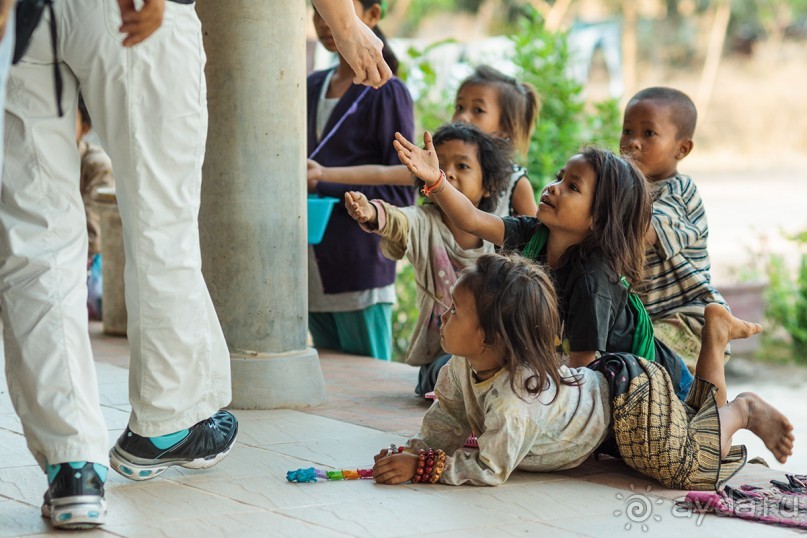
{"points": [[348, 258]]}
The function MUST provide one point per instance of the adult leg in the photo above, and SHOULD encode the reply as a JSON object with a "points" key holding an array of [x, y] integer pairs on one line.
{"points": [[43, 247], [148, 105], [747, 411], [43, 267]]}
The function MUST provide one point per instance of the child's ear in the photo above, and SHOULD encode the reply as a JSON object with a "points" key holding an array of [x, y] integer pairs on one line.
{"points": [[684, 148]]}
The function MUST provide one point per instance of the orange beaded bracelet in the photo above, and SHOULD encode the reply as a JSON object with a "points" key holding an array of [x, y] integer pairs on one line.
{"points": [[427, 190]]}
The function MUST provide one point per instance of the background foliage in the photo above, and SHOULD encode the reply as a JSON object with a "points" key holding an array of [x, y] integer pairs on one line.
{"points": [[566, 122], [787, 298]]}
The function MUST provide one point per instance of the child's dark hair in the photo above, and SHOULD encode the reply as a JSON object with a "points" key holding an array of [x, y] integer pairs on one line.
{"points": [[493, 154], [517, 309], [684, 113], [620, 215], [82, 110], [519, 104], [389, 56]]}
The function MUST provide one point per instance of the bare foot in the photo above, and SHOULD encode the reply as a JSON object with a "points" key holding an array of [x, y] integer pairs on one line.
{"points": [[723, 327], [768, 424]]}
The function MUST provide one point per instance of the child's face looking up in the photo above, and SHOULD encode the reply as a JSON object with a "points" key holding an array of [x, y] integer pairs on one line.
{"points": [[479, 106], [460, 161], [369, 16], [650, 137], [460, 332], [566, 203]]}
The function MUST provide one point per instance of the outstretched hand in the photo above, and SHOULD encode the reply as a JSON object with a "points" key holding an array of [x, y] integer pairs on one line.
{"points": [[395, 468], [360, 208], [421, 162]]}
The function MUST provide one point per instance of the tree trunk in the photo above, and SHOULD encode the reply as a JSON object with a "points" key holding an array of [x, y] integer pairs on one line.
{"points": [[714, 54]]}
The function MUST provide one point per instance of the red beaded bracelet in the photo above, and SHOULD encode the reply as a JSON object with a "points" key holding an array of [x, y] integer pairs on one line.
{"points": [[427, 190], [430, 466]]}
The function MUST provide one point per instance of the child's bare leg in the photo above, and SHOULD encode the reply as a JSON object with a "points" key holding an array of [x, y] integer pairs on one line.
{"points": [[719, 328], [747, 411]]}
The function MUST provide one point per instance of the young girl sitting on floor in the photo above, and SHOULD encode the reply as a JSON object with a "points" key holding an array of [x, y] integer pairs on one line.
{"points": [[499, 106], [589, 230], [479, 167], [506, 383]]}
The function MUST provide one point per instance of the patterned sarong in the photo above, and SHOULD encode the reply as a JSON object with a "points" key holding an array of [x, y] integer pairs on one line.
{"points": [[660, 436]]}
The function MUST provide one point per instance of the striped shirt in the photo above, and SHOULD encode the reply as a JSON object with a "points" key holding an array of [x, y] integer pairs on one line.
{"points": [[677, 266]]}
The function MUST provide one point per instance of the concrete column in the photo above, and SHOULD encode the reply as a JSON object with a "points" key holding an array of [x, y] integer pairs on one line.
{"points": [[253, 213]]}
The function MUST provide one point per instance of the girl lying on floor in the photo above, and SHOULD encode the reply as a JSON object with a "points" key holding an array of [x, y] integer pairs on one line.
{"points": [[530, 412]]}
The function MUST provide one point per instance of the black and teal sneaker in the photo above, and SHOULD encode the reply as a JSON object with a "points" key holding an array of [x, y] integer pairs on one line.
{"points": [[75, 496], [201, 446]]}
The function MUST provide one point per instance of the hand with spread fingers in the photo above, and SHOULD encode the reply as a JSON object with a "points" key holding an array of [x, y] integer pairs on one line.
{"points": [[421, 162]]}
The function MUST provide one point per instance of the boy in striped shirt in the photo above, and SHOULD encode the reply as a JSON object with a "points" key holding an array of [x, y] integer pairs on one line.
{"points": [[657, 132]]}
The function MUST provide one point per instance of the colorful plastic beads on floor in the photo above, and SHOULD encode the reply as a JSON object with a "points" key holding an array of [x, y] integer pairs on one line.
{"points": [[302, 475], [313, 475]]}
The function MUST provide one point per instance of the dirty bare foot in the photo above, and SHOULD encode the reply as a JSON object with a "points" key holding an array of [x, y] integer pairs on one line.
{"points": [[721, 326], [768, 424]]}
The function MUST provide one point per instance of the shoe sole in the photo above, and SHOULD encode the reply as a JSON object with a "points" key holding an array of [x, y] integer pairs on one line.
{"points": [[75, 513], [123, 464]]}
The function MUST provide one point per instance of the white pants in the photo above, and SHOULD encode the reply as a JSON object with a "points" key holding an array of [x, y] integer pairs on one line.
{"points": [[148, 105]]}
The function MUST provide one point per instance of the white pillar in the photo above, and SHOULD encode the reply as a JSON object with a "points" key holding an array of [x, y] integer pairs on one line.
{"points": [[253, 213]]}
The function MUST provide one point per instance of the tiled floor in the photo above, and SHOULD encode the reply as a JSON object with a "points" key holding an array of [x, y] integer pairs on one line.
{"points": [[371, 404]]}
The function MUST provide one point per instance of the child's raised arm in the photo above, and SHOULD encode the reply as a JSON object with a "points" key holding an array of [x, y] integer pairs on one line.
{"points": [[425, 165], [365, 174]]}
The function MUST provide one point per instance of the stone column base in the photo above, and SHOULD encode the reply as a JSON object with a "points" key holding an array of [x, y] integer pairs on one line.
{"points": [[277, 380]]}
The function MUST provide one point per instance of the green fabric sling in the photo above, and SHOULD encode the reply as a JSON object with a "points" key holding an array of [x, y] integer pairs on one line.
{"points": [[536, 243], [643, 338]]}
